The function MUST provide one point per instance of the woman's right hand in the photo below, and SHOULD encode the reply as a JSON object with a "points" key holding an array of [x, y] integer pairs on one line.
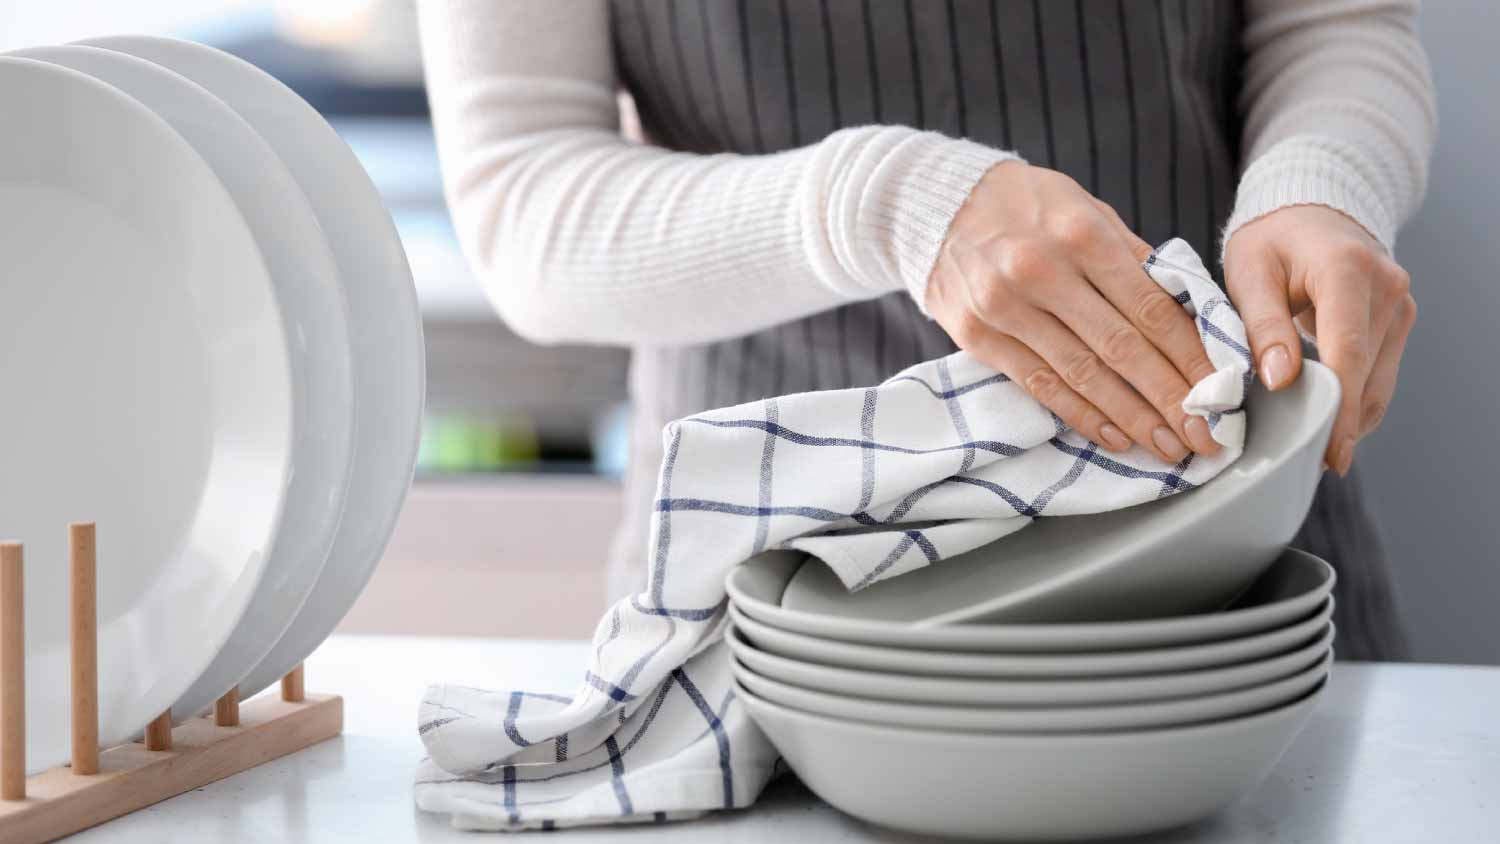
{"points": [[1045, 283]]}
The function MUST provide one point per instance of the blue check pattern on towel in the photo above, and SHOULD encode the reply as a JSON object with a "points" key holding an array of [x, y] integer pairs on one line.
{"points": [[941, 458]]}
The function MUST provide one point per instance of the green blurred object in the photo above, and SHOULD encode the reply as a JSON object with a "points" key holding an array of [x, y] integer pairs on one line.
{"points": [[460, 443]]}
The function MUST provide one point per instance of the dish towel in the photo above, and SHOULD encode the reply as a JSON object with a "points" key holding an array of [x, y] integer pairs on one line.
{"points": [[941, 458]]}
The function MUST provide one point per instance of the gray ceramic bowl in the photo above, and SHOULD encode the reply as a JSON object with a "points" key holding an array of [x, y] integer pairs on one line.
{"points": [[978, 691], [968, 664], [1186, 554], [1041, 719], [1291, 588], [1029, 787]]}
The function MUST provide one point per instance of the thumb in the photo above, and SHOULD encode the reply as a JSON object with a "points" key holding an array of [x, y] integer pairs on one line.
{"points": [[1258, 286]]}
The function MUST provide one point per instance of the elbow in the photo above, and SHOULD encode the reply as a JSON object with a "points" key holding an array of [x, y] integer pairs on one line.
{"points": [[533, 309], [535, 316], [521, 289]]}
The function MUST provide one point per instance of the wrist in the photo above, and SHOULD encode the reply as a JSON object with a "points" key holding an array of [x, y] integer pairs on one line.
{"points": [[890, 196], [1308, 170]]}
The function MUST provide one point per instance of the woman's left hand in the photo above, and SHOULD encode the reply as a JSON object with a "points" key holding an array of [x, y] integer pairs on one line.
{"points": [[1314, 264]]}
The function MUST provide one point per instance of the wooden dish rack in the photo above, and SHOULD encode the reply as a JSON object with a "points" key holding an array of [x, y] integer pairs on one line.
{"points": [[98, 786]]}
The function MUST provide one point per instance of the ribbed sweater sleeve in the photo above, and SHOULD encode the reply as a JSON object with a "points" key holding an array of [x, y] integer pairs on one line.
{"points": [[578, 234], [1339, 111]]}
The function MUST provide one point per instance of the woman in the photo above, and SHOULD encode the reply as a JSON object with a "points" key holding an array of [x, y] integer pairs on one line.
{"points": [[836, 190]]}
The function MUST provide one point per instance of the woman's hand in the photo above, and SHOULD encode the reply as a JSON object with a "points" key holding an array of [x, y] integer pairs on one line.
{"points": [[1043, 282], [1319, 266]]}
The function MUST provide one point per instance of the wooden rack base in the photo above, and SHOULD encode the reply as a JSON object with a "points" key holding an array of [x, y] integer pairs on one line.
{"points": [[97, 786], [59, 802]]}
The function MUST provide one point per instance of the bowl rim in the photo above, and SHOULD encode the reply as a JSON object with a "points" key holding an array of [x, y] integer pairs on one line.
{"points": [[1017, 634], [1315, 672], [969, 740], [1313, 621], [739, 646]]}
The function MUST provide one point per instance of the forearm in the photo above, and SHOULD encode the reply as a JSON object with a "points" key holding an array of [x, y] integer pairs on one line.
{"points": [[1339, 111], [579, 235]]}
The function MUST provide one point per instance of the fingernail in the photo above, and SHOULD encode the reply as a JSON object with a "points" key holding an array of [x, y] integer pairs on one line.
{"points": [[1275, 366], [1168, 444], [1345, 457], [1196, 428], [1114, 438]]}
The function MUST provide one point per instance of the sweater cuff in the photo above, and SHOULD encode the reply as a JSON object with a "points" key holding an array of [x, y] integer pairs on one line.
{"points": [[1310, 170], [892, 195]]}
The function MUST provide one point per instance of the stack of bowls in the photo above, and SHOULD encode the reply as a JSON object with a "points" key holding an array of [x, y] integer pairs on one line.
{"points": [[1105, 674], [1033, 731]]}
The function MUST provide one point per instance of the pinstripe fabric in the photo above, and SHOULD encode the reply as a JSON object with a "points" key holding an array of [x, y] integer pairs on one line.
{"points": [[1133, 98]]}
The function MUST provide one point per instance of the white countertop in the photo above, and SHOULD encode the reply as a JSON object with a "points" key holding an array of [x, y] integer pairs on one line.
{"points": [[1396, 753]]}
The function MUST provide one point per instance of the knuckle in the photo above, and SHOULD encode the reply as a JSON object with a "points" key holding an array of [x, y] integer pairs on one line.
{"points": [[1358, 257], [1265, 324], [1076, 228], [1082, 369], [990, 298], [1024, 265], [1168, 399], [1043, 385], [1398, 280], [1140, 423], [1090, 421], [968, 329], [1154, 312], [1121, 343], [1058, 179], [1406, 310], [1350, 346], [1371, 415]]}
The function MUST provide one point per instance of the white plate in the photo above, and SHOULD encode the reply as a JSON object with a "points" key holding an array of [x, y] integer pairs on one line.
{"points": [[968, 664], [1189, 553], [312, 308], [147, 389], [915, 688], [1042, 719], [385, 326], [1030, 787], [1292, 587]]}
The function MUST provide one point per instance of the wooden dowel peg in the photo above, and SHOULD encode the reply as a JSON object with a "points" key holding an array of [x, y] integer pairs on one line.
{"points": [[227, 709], [12, 675], [292, 690], [159, 732], [85, 636]]}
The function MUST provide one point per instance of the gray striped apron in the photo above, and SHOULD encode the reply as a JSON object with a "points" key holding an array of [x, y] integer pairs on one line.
{"points": [[1135, 100]]}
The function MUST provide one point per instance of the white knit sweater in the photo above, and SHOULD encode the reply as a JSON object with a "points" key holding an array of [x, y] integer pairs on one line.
{"points": [[579, 234]]}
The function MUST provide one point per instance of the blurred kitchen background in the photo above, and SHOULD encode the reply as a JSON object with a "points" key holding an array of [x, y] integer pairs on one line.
{"points": [[517, 488]]}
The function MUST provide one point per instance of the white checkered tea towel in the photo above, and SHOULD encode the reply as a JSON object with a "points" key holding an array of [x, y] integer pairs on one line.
{"points": [[939, 459]]}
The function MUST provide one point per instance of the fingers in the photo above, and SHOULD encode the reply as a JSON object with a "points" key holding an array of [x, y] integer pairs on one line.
{"points": [[1157, 315], [1026, 368], [1259, 292], [1087, 374], [1154, 313], [1344, 342], [1124, 349], [1381, 385]]}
